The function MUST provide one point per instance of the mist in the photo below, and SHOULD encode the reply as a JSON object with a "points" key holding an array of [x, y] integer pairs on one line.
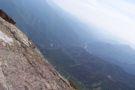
{"points": [[113, 19]]}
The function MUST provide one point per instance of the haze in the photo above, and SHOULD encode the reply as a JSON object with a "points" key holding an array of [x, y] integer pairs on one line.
{"points": [[113, 19]]}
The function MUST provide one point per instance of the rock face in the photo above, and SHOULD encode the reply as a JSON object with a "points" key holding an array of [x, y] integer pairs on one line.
{"points": [[6, 17], [22, 66]]}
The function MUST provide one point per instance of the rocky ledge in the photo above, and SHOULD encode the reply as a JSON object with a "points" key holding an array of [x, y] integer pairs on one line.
{"points": [[22, 66], [6, 17]]}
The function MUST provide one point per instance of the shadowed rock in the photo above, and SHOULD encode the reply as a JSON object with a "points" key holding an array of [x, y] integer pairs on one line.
{"points": [[6, 17]]}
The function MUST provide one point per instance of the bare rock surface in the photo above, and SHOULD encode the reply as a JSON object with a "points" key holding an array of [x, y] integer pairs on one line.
{"points": [[22, 66]]}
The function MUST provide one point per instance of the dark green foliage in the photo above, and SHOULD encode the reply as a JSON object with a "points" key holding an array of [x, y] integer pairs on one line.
{"points": [[93, 72], [73, 84], [46, 26]]}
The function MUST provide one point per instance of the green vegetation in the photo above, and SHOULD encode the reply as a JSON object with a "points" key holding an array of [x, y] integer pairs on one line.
{"points": [[74, 84]]}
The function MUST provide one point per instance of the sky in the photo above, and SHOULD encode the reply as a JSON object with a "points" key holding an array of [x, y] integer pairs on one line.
{"points": [[114, 18]]}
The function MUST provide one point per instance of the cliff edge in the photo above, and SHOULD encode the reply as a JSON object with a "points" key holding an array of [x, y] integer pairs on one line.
{"points": [[22, 66]]}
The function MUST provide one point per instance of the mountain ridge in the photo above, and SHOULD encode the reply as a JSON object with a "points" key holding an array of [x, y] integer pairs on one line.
{"points": [[90, 69]]}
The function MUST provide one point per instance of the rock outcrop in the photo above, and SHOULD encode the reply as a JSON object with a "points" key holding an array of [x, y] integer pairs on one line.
{"points": [[6, 17], [22, 66]]}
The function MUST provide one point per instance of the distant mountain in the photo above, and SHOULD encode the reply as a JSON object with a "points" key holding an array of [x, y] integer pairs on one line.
{"points": [[76, 53], [92, 71], [49, 26], [119, 54]]}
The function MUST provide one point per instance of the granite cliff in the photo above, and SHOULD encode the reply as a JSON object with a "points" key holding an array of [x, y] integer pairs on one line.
{"points": [[22, 66]]}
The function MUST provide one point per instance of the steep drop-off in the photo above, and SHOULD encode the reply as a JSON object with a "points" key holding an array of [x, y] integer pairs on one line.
{"points": [[22, 66]]}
